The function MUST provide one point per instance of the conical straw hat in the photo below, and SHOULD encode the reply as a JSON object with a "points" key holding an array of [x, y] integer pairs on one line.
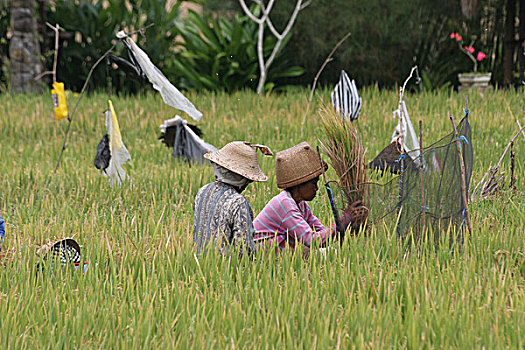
{"points": [[241, 158], [297, 165]]}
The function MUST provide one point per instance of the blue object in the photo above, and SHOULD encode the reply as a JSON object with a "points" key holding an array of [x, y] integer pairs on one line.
{"points": [[464, 139], [338, 226], [2, 230], [85, 266]]}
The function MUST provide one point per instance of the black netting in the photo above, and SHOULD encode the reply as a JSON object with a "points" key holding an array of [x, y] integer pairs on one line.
{"points": [[390, 196]]}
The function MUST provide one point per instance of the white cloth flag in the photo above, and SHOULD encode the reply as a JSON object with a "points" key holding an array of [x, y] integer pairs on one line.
{"points": [[345, 98], [170, 94], [410, 142], [119, 152]]}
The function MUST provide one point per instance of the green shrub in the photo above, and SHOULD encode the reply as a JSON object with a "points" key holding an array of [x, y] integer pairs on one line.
{"points": [[90, 29], [388, 38], [222, 55]]}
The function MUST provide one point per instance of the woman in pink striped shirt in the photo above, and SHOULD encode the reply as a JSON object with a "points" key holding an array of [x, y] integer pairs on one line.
{"points": [[287, 218]]}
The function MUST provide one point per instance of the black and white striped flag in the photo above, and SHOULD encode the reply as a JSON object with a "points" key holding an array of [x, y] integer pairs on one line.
{"points": [[345, 98]]}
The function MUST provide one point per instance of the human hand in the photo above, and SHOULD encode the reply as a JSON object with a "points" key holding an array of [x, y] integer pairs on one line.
{"points": [[357, 213]]}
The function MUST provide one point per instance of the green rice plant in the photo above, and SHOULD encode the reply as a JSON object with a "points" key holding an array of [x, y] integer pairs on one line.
{"points": [[144, 286]]}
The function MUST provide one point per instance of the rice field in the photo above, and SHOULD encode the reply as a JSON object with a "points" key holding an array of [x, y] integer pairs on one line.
{"points": [[145, 288]]}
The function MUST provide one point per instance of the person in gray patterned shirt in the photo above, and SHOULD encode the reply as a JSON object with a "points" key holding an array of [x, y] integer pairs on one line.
{"points": [[222, 214]]}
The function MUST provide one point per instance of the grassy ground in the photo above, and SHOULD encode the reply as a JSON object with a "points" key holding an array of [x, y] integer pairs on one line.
{"points": [[145, 288]]}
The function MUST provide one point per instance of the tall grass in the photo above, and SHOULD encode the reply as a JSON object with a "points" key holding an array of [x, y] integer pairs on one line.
{"points": [[145, 288]]}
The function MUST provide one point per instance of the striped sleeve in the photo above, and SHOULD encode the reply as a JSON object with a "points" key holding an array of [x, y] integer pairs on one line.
{"points": [[318, 227], [304, 226], [292, 222]]}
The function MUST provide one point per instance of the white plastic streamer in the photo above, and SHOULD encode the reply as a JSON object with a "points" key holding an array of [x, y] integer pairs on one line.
{"points": [[170, 94], [410, 142], [119, 152]]}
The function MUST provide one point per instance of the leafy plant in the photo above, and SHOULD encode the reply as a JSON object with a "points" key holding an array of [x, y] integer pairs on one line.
{"points": [[221, 55], [90, 29], [469, 50]]}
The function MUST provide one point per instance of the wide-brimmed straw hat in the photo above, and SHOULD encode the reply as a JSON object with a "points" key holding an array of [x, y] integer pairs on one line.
{"points": [[241, 158], [297, 165]]}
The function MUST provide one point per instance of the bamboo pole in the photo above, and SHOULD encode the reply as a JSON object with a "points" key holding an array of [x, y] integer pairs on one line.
{"points": [[512, 185], [401, 143], [521, 129], [421, 171], [463, 180], [55, 58], [491, 172], [55, 55], [314, 84], [70, 117]]}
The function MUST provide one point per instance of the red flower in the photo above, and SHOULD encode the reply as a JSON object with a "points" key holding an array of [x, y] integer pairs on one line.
{"points": [[481, 56], [470, 49], [452, 35], [458, 37]]}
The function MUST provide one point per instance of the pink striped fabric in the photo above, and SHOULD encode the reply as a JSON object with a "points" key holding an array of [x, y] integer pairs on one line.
{"points": [[283, 221]]}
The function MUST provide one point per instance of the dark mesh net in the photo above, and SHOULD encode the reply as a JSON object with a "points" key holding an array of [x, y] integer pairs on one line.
{"points": [[442, 201], [391, 195]]}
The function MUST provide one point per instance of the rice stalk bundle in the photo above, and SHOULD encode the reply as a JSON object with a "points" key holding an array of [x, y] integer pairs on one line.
{"points": [[344, 146]]}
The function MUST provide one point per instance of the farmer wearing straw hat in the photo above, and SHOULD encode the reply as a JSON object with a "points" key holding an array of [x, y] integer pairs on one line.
{"points": [[222, 214], [287, 218]]}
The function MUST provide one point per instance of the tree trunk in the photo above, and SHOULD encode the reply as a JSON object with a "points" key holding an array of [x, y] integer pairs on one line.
{"points": [[24, 48], [521, 43], [508, 43], [468, 7]]}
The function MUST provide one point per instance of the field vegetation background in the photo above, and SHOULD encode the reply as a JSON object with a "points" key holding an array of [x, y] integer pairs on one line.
{"points": [[144, 287]]}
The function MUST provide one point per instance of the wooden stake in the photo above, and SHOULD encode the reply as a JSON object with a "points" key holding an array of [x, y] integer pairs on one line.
{"points": [[70, 117], [512, 168], [55, 59], [401, 185], [493, 171], [463, 179], [401, 143], [523, 133], [401, 126], [326, 61], [421, 171]]}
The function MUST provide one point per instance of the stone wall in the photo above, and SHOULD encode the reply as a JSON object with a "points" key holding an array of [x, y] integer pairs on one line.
{"points": [[24, 49]]}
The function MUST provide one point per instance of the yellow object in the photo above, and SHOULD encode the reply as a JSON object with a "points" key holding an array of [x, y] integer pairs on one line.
{"points": [[119, 152], [115, 136], [59, 101]]}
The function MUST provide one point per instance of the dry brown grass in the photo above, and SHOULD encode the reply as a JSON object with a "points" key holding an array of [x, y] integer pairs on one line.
{"points": [[344, 145]]}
